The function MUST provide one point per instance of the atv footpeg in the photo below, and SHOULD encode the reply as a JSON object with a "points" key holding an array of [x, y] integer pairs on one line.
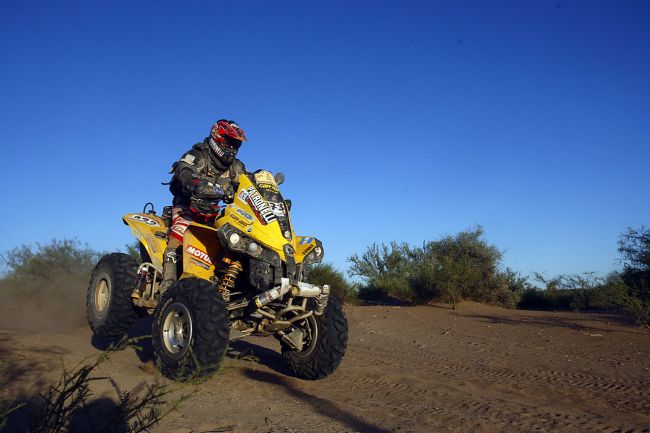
{"points": [[145, 303]]}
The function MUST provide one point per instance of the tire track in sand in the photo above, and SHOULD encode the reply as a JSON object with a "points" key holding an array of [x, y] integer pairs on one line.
{"points": [[633, 397]]}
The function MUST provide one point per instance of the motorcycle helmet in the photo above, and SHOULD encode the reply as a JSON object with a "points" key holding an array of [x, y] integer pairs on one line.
{"points": [[225, 138]]}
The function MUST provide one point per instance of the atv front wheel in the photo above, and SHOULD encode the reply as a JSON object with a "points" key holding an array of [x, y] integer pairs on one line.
{"points": [[326, 338], [190, 330], [109, 308]]}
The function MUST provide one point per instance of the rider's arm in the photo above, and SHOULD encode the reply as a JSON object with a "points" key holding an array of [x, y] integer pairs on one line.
{"points": [[231, 182], [236, 169], [187, 170]]}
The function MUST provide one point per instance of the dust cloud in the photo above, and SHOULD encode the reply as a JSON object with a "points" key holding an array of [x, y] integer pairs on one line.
{"points": [[52, 305]]}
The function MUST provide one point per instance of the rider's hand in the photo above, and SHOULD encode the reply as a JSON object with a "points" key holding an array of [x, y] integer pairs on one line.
{"points": [[206, 190]]}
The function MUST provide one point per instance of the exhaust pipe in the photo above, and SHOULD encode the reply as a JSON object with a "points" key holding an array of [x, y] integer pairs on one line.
{"points": [[299, 288], [271, 295]]}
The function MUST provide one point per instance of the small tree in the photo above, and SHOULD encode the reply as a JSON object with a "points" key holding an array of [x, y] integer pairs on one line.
{"points": [[133, 249], [634, 247], [467, 265]]}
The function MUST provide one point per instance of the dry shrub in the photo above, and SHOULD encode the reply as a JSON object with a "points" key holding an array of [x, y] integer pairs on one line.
{"points": [[70, 404]]}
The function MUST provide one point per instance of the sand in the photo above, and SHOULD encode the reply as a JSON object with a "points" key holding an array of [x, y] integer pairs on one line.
{"points": [[407, 369]]}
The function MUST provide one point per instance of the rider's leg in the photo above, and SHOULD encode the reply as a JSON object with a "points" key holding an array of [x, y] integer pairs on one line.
{"points": [[181, 219]]}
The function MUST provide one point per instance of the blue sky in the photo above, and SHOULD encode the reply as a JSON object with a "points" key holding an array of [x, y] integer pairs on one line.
{"points": [[391, 120]]}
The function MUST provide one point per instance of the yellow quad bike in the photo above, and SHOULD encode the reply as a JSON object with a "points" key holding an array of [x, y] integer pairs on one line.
{"points": [[240, 276]]}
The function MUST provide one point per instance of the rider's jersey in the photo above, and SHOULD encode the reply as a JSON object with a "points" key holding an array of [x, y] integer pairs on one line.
{"points": [[199, 163]]}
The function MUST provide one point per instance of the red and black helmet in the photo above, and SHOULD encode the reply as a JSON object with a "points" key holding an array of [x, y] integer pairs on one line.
{"points": [[225, 138]]}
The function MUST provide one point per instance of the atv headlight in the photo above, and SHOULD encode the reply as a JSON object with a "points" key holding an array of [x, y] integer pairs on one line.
{"points": [[315, 255], [253, 248], [235, 240]]}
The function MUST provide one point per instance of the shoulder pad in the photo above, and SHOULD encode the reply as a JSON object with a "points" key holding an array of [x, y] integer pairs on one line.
{"points": [[201, 145], [237, 167], [195, 153], [193, 159]]}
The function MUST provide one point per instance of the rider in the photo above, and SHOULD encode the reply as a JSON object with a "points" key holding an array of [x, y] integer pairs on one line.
{"points": [[205, 174]]}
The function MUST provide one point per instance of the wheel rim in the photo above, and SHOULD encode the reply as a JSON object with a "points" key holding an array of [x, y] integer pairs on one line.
{"points": [[102, 295], [310, 327], [177, 330]]}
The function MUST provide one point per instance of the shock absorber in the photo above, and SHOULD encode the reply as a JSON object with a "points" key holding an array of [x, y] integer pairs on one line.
{"points": [[227, 282], [140, 281]]}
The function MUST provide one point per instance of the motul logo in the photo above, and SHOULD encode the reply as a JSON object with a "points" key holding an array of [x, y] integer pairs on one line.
{"points": [[201, 255]]}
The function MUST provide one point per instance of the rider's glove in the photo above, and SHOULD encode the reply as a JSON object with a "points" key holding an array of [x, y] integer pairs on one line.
{"points": [[206, 190]]}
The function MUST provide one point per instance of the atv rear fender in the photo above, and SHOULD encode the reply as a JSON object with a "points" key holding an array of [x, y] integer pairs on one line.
{"points": [[151, 231]]}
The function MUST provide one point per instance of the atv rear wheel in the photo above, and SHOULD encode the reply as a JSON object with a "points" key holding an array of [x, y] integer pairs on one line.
{"points": [[326, 338], [109, 308], [190, 330]]}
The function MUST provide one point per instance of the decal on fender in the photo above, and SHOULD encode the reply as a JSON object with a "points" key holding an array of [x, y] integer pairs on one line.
{"points": [[197, 253], [245, 214], [146, 220], [200, 263], [277, 208], [260, 207], [136, 233]]}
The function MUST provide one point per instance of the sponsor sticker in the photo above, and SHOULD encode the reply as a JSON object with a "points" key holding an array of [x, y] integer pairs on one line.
{"points": [[189, 159], [277, 208], [143, 219], [305, 240], [238, 220], [216, 148], [269, 187], [265, 177], [198, 254], [136, 234], [245, 214], [200, 263], [260, 207]]}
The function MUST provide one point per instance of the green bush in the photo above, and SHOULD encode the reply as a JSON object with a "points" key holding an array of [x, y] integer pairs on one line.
{"points": [[449, 269], [577, 292], [386, 270], [639, 308], [540, 299], [508, 289], [59, 257], [611, 296], [326, 274]]}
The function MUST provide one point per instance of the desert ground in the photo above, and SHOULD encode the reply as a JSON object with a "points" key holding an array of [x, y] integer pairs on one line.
{"points": [[406, 369]]}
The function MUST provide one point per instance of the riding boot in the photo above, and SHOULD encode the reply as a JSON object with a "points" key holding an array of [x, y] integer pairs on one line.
{"points": [[169, 270]]}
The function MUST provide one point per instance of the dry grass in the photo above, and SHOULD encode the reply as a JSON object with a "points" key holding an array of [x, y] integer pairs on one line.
{"points": [[71, 406]]}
